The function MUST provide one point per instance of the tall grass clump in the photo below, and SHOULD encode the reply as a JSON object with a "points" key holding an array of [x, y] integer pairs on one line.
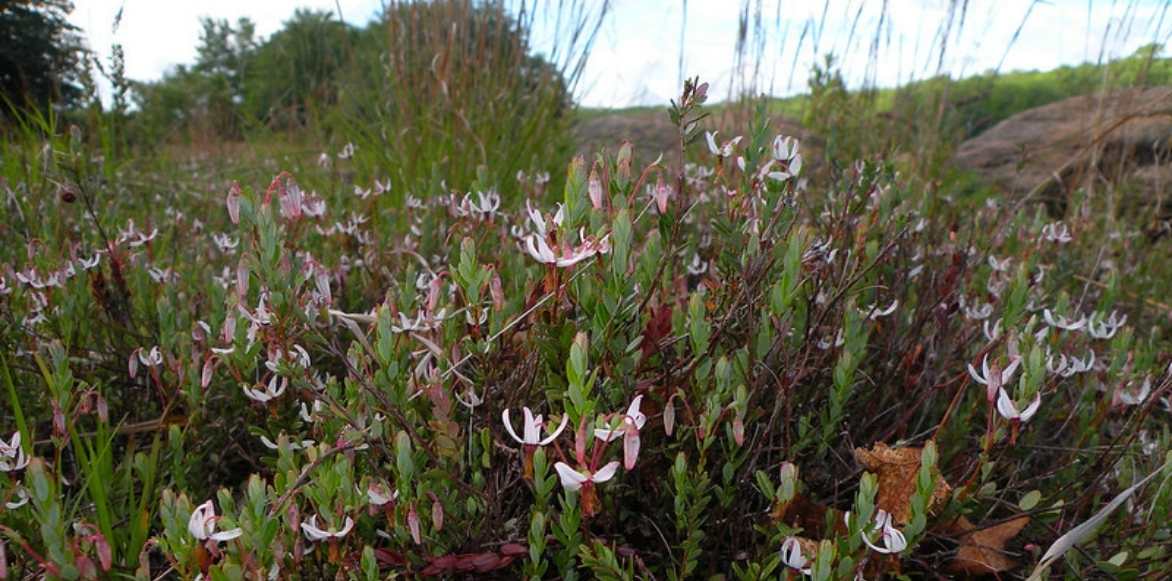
{"points": [[459, 94]]}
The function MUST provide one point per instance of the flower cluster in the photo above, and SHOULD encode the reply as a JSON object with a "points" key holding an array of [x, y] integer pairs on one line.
{"points": [[557, 377]]}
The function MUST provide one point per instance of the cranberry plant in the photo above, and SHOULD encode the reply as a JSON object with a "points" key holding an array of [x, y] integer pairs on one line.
{"points": [[757, 365]]}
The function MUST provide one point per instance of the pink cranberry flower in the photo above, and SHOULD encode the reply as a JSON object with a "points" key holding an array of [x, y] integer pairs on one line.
{"points": [[531, 429], [892, 539], [316, 534], [791, 556], [202, 525], [628, 430]]}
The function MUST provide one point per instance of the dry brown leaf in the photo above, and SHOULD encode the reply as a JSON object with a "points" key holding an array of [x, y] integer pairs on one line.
{"points": [[982, 551], [802, 513], [809, 547], [896, 470]]}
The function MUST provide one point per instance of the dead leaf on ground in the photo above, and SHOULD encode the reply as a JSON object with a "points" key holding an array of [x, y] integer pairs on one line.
{"points": [[896, 470], [809, 548], [982, 551], [802, 513]]}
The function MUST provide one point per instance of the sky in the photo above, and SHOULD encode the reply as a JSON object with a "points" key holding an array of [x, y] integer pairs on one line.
{"points": [[637, 53]]}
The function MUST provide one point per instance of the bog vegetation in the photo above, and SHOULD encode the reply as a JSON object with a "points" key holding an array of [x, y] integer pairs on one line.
{"points": [[341, 303]]}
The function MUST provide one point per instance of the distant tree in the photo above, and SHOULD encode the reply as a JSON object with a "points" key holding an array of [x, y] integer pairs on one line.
{"points": [[298, 67], [206, 97], [166, 108], [41, 53], [222, 57]]}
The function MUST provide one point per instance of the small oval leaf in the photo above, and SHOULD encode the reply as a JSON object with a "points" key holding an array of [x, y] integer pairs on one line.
{"points": [[1030, 500]]}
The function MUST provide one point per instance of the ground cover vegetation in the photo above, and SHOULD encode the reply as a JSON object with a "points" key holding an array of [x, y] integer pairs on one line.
{"points": [[342, 303]]}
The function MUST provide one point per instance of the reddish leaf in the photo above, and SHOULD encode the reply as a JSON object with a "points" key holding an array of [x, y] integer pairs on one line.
{"points": [[389, 557], [105, 556], [658, 327], [446, 561], [485, 562], [85, 567], [432, 571]]}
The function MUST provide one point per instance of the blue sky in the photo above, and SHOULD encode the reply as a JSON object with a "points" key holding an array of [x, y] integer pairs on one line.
{"points": [[636, 56]]}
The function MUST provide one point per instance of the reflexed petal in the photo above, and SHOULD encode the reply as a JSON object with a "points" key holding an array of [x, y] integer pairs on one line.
{"points": [[1007, 374], [976, 376], [9, 448], [277, 386], [710, 137], [532, 429], [509, 426], [199, 524], [875, 548], [536, 218], [1005, 406], [255, 394], [312, 532], [554, 434], [571, 479], [539, 249], [1032, 408], [791, 553], [606, 472], [21, 500], [345, 528], [608, 435], [377, 494], [634, 413], [577, 256], [227, 535], [894, 539]]}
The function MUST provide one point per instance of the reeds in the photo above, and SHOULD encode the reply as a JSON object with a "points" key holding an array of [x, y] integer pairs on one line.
{"points": [[460, 88]]}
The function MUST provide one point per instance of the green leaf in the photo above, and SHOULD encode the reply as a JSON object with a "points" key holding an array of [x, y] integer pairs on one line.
{"points": [[403, 460], [1030, 500]]}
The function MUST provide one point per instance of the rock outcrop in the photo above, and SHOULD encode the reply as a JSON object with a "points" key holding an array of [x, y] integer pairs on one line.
{"points": [[1122, 138]]}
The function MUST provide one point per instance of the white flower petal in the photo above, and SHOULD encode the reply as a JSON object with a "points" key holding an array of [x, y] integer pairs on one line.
{"points": [[509, 426], [1005, 406], [606, 472], [554, 434], [571, 479], [227, 535]]}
